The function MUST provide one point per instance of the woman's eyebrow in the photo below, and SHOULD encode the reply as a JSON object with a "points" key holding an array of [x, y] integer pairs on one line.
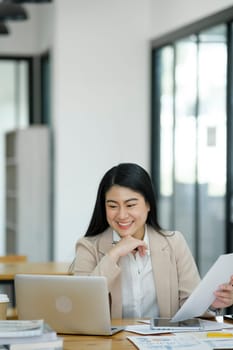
{"points": [[126, 201], [131, 199]]}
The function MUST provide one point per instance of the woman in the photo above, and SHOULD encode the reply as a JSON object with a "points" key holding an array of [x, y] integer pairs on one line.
{"points": [[150, 272]]}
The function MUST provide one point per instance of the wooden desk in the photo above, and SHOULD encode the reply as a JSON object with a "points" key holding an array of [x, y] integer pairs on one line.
{"points": [[9, 270], [115, 342], [118, 341]]}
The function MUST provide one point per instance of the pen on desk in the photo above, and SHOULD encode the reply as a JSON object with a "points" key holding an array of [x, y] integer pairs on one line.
{"points": [[219, 335]]}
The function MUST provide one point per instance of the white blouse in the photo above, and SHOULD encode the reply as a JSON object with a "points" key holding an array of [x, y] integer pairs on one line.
{"points": [[138, 291]]}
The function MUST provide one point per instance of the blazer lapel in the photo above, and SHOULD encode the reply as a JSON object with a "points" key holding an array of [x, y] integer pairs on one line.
{"points": [[105, 242]]}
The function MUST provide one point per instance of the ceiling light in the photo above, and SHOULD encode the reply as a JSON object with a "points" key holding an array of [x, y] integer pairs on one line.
{"points": [[3, 29], [10, 11]]}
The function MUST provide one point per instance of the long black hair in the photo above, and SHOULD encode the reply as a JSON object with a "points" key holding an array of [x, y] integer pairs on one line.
{"points": [[128, 175]]}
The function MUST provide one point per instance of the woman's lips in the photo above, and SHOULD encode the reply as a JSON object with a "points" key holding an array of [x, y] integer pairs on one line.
{"points": [[123, 225]]}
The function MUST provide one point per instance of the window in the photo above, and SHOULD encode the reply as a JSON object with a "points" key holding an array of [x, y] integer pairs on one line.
{"points": [[190, 146]]}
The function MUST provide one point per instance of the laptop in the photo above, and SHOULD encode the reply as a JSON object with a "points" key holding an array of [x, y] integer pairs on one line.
{"points": [[69, 304]]}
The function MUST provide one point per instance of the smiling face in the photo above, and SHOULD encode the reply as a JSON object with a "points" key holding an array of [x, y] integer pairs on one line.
{"points": [[126, 211]]}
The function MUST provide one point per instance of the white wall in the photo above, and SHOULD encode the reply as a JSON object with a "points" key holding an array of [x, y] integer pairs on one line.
{"points": [[101, 112], [101, 91], [168, 15]]}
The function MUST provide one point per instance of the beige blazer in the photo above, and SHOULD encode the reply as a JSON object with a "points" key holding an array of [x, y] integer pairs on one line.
{"points": [[174, 269]]}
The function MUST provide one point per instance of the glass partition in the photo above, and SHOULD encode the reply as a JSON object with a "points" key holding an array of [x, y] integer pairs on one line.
{"points": [[192, 81]]}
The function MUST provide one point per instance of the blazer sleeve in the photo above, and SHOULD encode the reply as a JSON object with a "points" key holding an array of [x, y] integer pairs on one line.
{"points": [[90, 261], [188, 275]]}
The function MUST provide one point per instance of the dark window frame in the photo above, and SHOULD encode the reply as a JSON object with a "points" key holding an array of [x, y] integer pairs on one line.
{"points": [[36, 98], [28, 59]]}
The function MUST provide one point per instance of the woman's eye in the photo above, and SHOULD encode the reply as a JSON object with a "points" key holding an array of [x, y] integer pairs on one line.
{"points": [[131, 205]]}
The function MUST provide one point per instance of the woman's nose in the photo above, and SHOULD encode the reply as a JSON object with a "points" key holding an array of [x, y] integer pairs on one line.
{"points": [[123, 212]]}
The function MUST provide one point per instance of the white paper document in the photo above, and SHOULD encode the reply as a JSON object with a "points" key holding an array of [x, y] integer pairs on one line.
{"points": [[168, 343], [203, 296], [219, 343]]}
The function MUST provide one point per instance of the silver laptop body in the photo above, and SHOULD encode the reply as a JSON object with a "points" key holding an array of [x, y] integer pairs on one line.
{"points": [[69, 304]]}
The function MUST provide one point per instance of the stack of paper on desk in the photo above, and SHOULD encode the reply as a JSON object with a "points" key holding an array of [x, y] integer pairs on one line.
{"points": [[25, 328], [28, 335]]}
